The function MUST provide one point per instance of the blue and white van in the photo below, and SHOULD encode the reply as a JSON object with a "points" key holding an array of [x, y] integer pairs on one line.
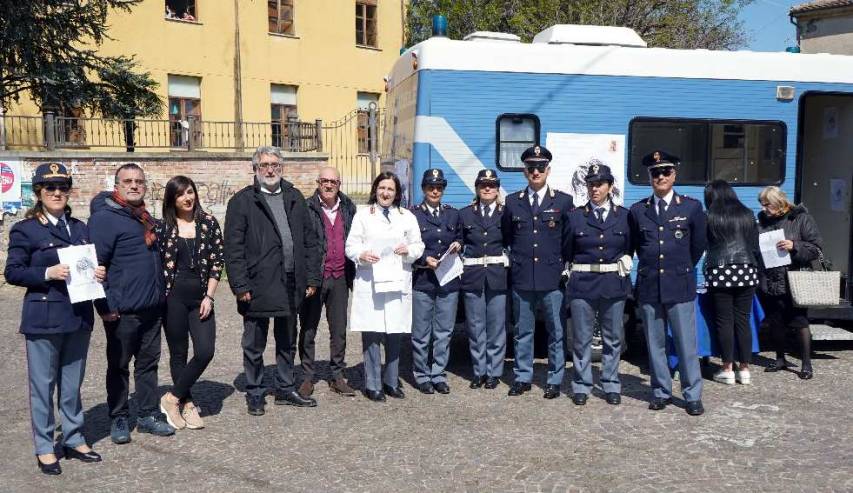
{"points": [[592, 93]]}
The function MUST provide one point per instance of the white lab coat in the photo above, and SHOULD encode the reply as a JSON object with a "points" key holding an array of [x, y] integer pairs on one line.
{"points": [[389, 312]]}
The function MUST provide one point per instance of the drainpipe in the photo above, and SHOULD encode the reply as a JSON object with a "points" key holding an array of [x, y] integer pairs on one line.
{"points": [[793, 20], [238, 83]]}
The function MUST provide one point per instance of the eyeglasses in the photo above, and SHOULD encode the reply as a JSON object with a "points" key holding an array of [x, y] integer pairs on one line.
{"points": [[328, 181], [658, 172], [52, 188], [536, 167], [487, 185], [130, 181], [269, 166]]}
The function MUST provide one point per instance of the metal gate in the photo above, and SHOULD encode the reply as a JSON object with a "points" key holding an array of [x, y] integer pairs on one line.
{"points": [[353, 146]]}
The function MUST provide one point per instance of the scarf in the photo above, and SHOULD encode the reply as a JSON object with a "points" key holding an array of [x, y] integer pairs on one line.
{"points": [[141, 215]]}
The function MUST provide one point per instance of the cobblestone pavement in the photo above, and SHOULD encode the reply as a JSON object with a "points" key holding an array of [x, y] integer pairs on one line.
{"points": [[781, 433]]}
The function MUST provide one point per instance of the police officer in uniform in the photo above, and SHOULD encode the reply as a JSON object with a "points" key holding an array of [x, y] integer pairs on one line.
{"points": [[484, 280], [599, 283], [669, 236], [535, 229], [433, 306]]}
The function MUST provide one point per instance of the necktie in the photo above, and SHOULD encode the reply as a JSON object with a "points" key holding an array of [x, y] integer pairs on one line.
{"points": [[600, 213], [661, 208], [386, 213], [63, 226], [486, 211], [535, 206], [435, 213]]}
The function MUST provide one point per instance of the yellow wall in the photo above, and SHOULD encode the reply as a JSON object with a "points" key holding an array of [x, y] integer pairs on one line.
{"points": [[321, 59]]}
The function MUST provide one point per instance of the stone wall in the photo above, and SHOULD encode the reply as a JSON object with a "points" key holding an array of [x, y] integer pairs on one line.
{"points": [[217, 176]]}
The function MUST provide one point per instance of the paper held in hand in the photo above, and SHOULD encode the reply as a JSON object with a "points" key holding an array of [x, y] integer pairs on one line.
{"points": [[450, 267], [81, 261], [772, 256]]}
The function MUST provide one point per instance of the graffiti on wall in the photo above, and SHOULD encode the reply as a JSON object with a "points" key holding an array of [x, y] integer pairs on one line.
{"points": [[211, 194]]}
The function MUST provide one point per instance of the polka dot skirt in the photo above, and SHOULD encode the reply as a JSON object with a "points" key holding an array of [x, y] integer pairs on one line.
{"points": [[731, 276]]}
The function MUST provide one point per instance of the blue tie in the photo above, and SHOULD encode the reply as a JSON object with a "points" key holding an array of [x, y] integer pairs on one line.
{"points": [[600, 213], [535, 206], [63, 226], [386, 213]]}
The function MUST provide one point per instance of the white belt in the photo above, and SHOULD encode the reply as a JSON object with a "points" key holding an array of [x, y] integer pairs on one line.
{"points": [[623, 266], [496, 259]]}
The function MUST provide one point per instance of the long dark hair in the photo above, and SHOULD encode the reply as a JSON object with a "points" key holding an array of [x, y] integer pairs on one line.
{"points": [[386, 175], [174, 188], [728, 218], [37, 210]]}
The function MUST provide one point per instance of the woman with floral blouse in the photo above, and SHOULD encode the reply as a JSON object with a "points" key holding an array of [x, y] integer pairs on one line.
{"points": [[192, 251]]}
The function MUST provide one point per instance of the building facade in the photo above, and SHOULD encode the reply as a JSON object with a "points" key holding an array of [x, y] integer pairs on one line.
{"points": [[824, 26]]}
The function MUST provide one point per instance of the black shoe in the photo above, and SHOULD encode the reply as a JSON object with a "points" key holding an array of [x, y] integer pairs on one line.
{"points": [[806, 373], [425, 388], [519, 388], [50, 469], [255, 405], [293, 398], [374, 395], [778, 365], [442, 387], [395, 392], [120, 430], [579, 398], [477, 382], [551, 391], [613, 398], [90, 456], [657, 403], [694, 408], [491, 383]]}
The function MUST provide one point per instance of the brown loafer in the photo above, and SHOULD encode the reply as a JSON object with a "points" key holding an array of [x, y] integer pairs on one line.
{"points": [[306, 389], [341, 386]]}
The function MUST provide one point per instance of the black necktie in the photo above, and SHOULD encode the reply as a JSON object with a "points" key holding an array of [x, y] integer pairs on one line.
{"points": [[600, 213], [661, 208], [486, 211], [386, 213], [435, 213], [63, 226], [535, 206]]}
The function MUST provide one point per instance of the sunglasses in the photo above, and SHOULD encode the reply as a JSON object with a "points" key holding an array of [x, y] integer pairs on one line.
{"points": [[53, 188], [488, 185], [536, 167], [658, 172]]}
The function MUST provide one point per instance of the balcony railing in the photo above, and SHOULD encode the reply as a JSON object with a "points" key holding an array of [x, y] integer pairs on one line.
{"points": [[51, 132]]}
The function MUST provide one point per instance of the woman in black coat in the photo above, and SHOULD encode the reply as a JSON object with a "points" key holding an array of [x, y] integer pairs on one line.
{"points": [[731, 275], [56, 331], [804, 243]]}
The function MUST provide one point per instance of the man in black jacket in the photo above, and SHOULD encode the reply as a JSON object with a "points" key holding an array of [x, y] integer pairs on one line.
{"points": [[332, 214], [273, 263]]}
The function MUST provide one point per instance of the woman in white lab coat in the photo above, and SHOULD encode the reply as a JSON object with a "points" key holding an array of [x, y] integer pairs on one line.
{"points": [[383, 242]]}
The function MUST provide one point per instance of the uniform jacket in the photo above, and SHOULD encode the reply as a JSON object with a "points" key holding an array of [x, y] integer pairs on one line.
{"points": [[209, 250], [593, 242], [253, 251], [346, 211], [32, 249], [800, 227], [389, 311], [482, 237], [537, 244], [668, 249], [134, 271], [437, 233]]}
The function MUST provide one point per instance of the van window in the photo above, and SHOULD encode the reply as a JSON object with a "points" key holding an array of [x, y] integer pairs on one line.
{"points": [[740, 152], [515, 133]]}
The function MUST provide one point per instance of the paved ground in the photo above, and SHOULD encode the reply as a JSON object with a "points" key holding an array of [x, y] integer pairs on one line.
{"points": [[779, 434]]}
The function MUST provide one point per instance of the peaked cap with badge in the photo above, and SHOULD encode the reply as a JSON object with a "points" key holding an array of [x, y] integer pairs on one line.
{"points": [[487, 176], [536, 154], [660, 159], [433, 176], [51, 173]]}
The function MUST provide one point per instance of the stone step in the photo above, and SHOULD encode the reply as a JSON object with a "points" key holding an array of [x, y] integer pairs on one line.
{"points": [[822, 332]]}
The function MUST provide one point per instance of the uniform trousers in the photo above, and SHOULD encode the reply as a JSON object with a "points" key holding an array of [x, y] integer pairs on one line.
{"points": [[182, 323], [52, 359], [134, 335], [433, 316], [682, 320], [485, 313], [374, 375], [334, 295], [524, 304], [609, 314]]}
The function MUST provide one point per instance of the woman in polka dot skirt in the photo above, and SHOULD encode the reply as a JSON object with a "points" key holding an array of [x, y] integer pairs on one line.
{"points": [[731, 274]]}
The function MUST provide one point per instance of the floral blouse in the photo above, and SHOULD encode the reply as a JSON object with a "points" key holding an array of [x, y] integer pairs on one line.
{"points": [[209, 250]]}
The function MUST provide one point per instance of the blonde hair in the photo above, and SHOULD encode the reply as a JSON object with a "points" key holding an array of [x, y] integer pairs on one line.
{"points": [[775, 197]]}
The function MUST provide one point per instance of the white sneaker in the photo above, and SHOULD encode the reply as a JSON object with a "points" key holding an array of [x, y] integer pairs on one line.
{"points": [[726, 377], [743, 377]]}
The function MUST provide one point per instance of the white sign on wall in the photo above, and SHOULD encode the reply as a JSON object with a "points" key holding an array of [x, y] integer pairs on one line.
{"points": [[10, 178], [573, 154]]}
